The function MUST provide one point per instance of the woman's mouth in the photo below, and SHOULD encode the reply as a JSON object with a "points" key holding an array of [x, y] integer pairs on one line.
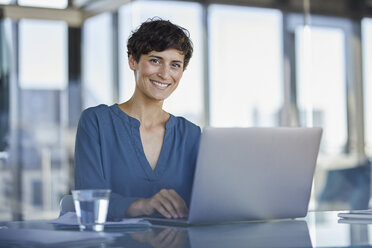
{"points": [[159, 85]]}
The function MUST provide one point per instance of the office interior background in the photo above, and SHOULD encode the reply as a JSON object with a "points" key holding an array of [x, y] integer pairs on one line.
{"points": [[256, 63]]}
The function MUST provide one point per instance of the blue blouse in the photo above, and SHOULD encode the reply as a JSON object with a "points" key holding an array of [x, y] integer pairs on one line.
{"points": [[109, 155]]}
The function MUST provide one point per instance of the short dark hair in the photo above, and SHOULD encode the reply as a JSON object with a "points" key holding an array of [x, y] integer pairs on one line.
{"points": [[158, 35]]}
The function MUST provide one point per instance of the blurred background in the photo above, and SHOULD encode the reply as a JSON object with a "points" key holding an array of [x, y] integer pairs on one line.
{"points": [[258, 63]]}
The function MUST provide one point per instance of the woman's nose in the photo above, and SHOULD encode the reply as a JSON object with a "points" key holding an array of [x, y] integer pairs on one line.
{"points": [[164, 72]]}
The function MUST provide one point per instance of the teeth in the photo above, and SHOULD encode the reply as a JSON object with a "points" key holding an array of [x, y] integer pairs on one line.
{"points": [[159, 84]]}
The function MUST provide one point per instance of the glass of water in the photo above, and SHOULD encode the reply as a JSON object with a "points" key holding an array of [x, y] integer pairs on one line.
{"points": [[91, 208]]}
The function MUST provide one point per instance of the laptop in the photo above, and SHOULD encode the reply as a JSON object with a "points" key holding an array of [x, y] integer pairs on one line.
{"points": [[250, 174]]}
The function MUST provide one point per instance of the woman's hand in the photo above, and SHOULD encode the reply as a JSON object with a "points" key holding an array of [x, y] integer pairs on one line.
{"points": [[166, 202]]}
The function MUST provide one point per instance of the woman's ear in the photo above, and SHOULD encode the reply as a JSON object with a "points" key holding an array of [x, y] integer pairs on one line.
{"points": [[132, 63]]}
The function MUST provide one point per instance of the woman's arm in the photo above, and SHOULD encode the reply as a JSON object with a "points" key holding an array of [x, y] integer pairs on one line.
{"points": [[89, 172]]}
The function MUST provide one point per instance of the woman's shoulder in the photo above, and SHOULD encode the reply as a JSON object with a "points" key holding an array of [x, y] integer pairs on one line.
{"points": [[185, 124], [93, 115], [100, 112], [99, 109]]}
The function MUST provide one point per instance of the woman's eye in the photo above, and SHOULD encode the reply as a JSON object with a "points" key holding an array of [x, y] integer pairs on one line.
{"points": [[176, 65], [155, 61]]}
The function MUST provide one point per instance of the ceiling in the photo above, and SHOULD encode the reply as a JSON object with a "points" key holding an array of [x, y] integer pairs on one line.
{"points": [[345, 8], [79, 10]]}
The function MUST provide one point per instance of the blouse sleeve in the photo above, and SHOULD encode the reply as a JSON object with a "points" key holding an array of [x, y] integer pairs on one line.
{"points": [[89, 168]]}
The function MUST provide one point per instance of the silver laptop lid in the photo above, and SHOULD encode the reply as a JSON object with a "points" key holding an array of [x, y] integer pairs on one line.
{"points": [[253, 174]]}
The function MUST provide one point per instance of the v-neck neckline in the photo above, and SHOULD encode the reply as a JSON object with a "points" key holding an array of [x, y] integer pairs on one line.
{"points": [[137, 143]]}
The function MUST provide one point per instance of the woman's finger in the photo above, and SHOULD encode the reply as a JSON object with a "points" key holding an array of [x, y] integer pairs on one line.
{"points": [[182, 205], [163, 205], [178, 203], [170, 203]]}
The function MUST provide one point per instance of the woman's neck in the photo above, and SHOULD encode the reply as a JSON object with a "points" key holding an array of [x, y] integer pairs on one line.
{"points": [[149, 112]]}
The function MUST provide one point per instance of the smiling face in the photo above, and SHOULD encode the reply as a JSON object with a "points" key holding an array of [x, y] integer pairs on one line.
{"points": [[157, 74]]}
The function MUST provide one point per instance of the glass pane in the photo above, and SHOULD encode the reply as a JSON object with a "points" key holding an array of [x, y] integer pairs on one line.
{"points": [[367, 56], [97, 61], [6, 1], [322, 90], [5, 168], [58, 4], [43, 157], [246, 65], [187, 15], [42, 54], [38, 148]]}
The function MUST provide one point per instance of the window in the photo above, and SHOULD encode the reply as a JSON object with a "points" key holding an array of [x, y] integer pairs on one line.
{"points": [[245, 62], [58, 4], [6, 1], [98, 62], [187, 100], [39, 139], [367, 60], [6, 182], [42, 54], [321, 92]]}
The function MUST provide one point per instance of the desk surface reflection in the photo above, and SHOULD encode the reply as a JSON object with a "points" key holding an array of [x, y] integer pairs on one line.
{"points": [[316, 230], [268, 234]]}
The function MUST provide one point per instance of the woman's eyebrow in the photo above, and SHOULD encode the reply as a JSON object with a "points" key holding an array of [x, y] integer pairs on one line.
{"points": [[178, 61], [159, 57], [154, 56]]}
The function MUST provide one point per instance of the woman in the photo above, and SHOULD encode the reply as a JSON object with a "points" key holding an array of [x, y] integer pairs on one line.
{"points": [[145, 155]]}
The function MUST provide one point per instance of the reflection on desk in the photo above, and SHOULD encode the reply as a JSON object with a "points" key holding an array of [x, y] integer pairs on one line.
{"points": [[254, 234], [320, 229], [160, 238], [10, 237], [265, 234]]}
